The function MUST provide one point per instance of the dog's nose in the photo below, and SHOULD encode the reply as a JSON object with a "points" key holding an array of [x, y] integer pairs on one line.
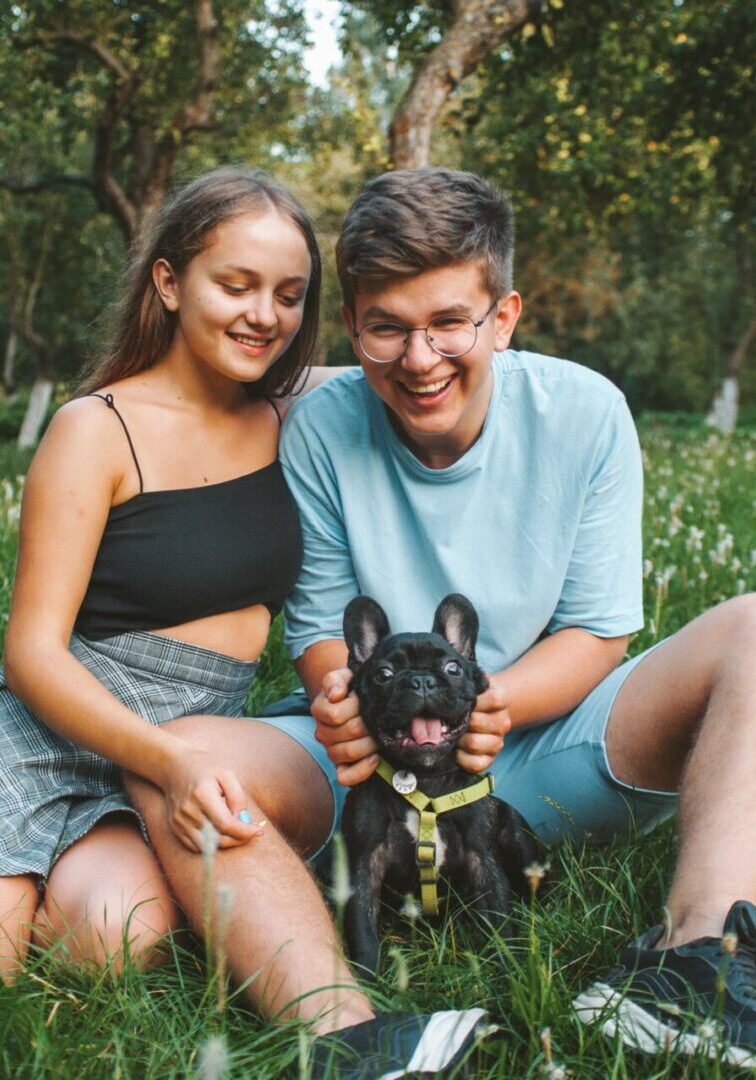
{"points": [[423, 682]]}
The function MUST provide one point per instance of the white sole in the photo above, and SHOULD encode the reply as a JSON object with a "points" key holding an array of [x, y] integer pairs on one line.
{"points": [[445, 1034], [619, 1015]]}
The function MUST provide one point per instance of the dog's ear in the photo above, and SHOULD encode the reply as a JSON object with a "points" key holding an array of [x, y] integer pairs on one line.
{"points": [[457, 620], [365, 625]]}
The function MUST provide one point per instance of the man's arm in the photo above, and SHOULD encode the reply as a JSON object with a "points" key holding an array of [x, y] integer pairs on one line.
{"points": [[557, 673]]}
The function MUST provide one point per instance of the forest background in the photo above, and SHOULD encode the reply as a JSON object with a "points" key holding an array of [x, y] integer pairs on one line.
{"points": [[623, 130]]}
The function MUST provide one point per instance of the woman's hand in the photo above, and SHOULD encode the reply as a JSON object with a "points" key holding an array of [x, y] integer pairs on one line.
{"points": [[199, 789], [341, 730], [489, 723]]}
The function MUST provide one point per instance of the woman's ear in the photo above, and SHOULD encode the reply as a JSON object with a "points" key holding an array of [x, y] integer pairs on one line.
{"points": [[166, 284]]}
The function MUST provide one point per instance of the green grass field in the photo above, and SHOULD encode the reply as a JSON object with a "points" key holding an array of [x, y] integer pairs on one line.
{"points": [[700, 545]]}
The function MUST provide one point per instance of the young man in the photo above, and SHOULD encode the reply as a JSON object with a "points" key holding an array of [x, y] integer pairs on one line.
{"points": [[450, 464]]}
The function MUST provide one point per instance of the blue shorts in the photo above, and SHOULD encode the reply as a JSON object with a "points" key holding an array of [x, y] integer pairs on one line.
{"points": [[557, 775]]}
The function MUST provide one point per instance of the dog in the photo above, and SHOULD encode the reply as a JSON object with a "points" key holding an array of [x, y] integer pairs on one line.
{"points": [[416, 695]]}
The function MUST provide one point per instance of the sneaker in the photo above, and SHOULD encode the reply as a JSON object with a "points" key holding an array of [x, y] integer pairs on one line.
{"points": [[396, 1044], [697, 998]]}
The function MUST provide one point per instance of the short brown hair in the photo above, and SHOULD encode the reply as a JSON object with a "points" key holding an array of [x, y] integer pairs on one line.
{"points": [[412, 220], [141, 328]]}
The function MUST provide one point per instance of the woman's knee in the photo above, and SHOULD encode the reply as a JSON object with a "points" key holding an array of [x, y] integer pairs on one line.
{"points": [[283, 781], [98, 911]]}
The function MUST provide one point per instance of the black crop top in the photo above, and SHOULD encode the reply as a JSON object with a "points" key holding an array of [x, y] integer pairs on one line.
{"points": [[169, 557]]}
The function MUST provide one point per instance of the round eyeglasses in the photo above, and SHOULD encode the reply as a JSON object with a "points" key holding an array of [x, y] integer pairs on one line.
{"points": [[448, 335]]}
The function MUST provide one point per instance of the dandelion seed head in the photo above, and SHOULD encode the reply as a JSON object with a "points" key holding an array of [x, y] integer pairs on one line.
{"points": [[729, 943], [212, 1061], [535, 873], [410, 909]]}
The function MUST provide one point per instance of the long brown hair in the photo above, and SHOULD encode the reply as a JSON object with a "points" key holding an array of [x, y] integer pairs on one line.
{"points": [[141, 329]]}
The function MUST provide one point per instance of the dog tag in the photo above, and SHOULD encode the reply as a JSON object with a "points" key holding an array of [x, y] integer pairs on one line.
{"points": [[404, 782]]}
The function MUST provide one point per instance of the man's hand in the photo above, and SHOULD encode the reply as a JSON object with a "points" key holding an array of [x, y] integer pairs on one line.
{"points": [[341, 730], [489, 724]]}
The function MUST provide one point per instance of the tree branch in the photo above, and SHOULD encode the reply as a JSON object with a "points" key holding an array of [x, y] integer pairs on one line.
{"points": [[81, 41], [44, 183], [479, 27], [196, 114]]}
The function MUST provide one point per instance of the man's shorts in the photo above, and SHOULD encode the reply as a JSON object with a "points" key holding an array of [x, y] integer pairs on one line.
{"points": [[557, 774]]}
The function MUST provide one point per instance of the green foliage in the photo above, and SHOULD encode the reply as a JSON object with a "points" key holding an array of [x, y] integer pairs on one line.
{"points": [[52, 96], [627, 158]]}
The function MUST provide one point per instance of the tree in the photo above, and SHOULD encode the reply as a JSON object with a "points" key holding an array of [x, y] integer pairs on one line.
{"points": [[444, 42], [149, 78], [625, 143], [102, 117]]}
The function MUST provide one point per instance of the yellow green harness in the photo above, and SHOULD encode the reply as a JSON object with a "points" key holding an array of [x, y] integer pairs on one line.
{"points": [[425, 850]]}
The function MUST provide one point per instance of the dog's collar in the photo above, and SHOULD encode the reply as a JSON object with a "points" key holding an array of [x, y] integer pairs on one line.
{"points": [[425, 849]]}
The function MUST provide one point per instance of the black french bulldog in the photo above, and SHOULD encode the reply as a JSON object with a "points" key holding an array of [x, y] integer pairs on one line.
{"points": [[416, 694]]}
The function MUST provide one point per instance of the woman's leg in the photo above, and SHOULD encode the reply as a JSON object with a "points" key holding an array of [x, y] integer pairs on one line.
{"points": [[279, 930], [18, 902], [107, 889]]}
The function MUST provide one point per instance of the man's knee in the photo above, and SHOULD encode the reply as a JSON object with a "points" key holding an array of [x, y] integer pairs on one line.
{"points": [[741, 611], [733, 637]]}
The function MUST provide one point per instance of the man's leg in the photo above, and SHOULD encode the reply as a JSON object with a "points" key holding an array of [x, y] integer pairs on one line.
{"points": [[686, 718]]}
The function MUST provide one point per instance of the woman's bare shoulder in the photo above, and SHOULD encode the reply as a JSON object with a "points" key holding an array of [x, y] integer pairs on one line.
{"points": [[83, 439]]}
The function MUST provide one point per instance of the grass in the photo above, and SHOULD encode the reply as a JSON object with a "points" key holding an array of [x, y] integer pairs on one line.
{"points": [[700, 545]]}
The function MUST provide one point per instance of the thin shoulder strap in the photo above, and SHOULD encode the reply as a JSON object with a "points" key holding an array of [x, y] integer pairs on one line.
{"points": [[108, 399]]}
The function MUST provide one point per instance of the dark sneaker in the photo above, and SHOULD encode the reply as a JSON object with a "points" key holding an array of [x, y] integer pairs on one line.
{"points": [[396, 1044], [697, 998]]}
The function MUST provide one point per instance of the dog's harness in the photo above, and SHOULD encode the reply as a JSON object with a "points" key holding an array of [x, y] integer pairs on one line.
{"points": [[405, 784]]}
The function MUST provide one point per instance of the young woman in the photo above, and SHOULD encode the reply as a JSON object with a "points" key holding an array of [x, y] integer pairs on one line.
{"points": [[158, 539]]}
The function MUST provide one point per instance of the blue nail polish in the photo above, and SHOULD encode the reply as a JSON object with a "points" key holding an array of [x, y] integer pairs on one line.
{"points": [[244, 817]]}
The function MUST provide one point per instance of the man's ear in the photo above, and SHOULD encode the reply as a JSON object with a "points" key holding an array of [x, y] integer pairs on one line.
{"points": [[348, 316], [365, 626], [166, 283], [507, 315]]}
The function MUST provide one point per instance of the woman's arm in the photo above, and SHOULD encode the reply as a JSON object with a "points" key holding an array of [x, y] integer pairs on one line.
{"points": [[79, 469]]}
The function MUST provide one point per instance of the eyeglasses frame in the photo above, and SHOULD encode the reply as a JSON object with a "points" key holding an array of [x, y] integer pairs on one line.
{"points": [[412, 329]]}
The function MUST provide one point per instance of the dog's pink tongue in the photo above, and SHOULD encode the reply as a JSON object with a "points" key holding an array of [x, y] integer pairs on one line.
{"points": [[426, 731]]}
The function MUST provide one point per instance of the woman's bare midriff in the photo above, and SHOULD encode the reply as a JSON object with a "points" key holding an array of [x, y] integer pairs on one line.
{"points": [[241, 634]]}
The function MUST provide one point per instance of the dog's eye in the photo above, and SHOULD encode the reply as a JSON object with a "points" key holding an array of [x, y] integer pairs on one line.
{"points": [[452, 667], [384, 675]]}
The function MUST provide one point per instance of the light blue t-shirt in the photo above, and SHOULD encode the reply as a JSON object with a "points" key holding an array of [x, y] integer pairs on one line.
{"points": [[538, 523]]}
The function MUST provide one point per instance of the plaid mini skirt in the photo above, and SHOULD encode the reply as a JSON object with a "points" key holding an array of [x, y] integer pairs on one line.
{"points": [[52, 792]]}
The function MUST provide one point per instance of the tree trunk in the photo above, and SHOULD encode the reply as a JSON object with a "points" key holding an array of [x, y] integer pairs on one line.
{"points": [[479, 27], [39, 401], [724, 411], [11, 345]]}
